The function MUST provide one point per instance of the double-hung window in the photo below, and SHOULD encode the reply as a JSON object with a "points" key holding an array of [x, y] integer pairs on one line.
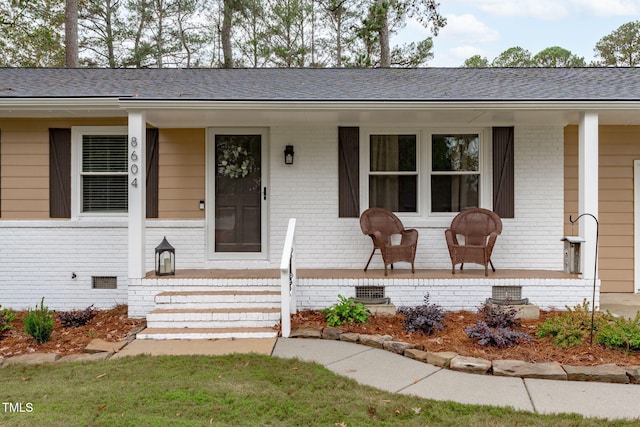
{"points": [[393, 172], [455, 172], [101, 178], [427, 173]]}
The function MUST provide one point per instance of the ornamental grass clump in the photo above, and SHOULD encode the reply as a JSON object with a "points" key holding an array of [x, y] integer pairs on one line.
{"points": [[495, 327], [6, 317], [346, 311], [621, 333], [426, 318], [39, 323], [570, 328]]}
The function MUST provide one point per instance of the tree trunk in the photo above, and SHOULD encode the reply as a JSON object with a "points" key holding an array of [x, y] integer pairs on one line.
{"points": [[71, 33], [225, 34], [383, 20]]}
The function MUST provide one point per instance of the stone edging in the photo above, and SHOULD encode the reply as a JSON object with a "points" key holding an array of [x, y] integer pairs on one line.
{"points": [[609, 373], [97, 349]]}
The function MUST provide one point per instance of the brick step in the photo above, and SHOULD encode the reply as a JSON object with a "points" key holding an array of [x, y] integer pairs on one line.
{"points": [[223, 299], [205, 333], [213, 318]]}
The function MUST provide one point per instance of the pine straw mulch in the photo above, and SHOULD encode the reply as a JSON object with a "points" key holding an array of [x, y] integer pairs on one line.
{"points": [[453, 338], [110, 325]]}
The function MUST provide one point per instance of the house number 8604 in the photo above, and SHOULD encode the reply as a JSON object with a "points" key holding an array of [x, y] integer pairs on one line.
{"points": [[134, 162]]}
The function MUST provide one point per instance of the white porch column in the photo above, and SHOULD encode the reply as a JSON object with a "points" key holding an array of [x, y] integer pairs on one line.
{"points": [[588, 188], [137, 194]]}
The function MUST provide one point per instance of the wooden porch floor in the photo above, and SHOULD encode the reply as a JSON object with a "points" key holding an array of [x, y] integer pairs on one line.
{"points": [[399, 273]]}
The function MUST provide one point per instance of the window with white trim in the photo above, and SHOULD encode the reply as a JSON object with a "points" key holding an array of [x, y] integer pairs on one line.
{"points": [[101, 177], [425, 172], [455, 172], [393, 172]]}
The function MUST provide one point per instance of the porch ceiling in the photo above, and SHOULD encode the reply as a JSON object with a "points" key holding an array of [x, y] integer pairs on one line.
{"points": [[380, 117]]}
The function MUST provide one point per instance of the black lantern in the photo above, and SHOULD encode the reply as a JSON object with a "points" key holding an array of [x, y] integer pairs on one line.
{"points": [[288, 155], [165, 259]]}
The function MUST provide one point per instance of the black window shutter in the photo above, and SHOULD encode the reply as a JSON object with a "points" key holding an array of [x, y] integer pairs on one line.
{"points": [[60, 173], [152, 173], [503, 172], [349, 172]]}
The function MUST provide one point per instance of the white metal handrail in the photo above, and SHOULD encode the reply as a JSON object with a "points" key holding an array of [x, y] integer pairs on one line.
{"points": [[288, 279]]}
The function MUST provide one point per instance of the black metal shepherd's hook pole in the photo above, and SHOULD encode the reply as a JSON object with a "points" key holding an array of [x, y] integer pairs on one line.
{"points": [[595, 270]]}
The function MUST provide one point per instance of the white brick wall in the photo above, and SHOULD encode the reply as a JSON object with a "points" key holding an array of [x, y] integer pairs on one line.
{"points": [[308, 191], [451, 294], [39, 258]]}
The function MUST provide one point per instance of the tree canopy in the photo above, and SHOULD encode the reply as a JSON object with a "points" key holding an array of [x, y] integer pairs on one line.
{"points": [[621, 48], [216, 33]]}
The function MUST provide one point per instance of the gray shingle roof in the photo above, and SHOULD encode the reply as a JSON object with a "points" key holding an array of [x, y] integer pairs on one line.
{"points": [[270, 84]]}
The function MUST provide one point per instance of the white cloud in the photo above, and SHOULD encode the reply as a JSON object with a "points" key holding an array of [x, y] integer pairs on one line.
{"points": [[603, 8], [465, 52], [468, 27], [542, 9]]}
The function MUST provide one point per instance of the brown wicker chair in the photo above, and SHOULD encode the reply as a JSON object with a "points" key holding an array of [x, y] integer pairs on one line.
{"points": [[380, 224], [480, 229]]}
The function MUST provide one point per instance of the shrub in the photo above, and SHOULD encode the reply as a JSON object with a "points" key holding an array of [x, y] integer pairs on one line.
{"points": [[571, 327], [497, 316], [622, 333], [346, 311], [426, 318], [39, 323], [494, 327], [6, 317], [496, 337], [77, 318]]}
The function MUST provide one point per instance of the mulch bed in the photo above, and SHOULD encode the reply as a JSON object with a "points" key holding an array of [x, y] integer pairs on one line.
{"points": [[109, 325], [453, 338]]}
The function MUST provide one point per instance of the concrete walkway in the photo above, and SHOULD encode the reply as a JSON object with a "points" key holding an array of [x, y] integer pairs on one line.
{"points": [[398, 374]]}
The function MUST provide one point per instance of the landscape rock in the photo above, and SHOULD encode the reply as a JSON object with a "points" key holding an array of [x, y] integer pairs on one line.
{"points": [[518, 368], [382, 309], [471, 365], [85, 357], [306, 333], [609, 373], [133, 332], [398, 347], [415, 354], [31, 359], [350, 337], [375, 341], [99, 345], [331, 333], [441, 358], [633, 372]]}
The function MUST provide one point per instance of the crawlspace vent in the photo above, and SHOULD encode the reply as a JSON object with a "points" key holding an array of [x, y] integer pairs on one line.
{"points": [[507, 295], [371, 295], [104, 282]]}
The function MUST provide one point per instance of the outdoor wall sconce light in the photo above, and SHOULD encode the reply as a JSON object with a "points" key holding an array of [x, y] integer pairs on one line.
{"points": [[165, 259], [288, 155]]}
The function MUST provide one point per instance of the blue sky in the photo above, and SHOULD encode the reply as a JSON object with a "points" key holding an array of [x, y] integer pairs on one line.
{"points": [[488, 27]]}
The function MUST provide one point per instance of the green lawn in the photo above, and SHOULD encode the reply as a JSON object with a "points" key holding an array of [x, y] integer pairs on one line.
{"points": [[238, 390]]}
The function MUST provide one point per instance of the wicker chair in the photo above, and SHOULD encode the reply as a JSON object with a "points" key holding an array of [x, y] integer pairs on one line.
{"points": [[380, 224], [480, 229]]}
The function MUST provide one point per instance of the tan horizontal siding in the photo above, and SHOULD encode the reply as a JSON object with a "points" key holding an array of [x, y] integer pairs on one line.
{"points": [[618, 148], [182, 173], [24, 161]]}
